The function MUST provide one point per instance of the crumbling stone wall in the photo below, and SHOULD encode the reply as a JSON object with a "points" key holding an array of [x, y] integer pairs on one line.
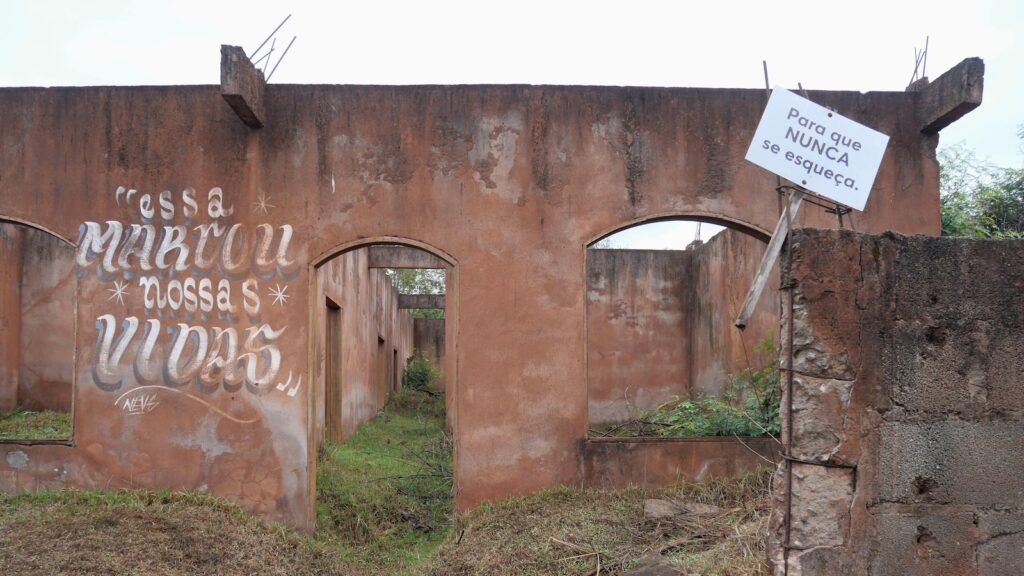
{"points": [[907, 406]]}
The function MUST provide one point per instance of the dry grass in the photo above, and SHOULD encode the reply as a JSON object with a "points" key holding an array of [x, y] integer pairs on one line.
{"points": [[376, 495], [566, 531], [151, 533]]}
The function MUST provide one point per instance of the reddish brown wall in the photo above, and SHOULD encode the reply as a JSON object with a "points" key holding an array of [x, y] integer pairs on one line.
{"points": [[723, 270], [38, 304], [510, 182], [907, 407], [48, 300], [369, 311], [637, 331], [11, 241], [428, 336], [660, 323], [622, 462]]}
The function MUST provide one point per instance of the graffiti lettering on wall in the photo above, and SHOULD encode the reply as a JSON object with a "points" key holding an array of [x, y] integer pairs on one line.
{"points": [[202, 283]]}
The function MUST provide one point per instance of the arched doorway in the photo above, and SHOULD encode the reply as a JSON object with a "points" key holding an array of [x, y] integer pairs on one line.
{"points": [[368, 299]]}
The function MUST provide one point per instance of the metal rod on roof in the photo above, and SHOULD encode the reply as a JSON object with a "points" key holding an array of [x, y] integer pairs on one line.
{"points": [[285, 53], [924, 66], [266, 57], [255, 52]]}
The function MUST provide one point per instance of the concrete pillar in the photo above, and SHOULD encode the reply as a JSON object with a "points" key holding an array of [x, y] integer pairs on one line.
{"points": [[11, 240]]}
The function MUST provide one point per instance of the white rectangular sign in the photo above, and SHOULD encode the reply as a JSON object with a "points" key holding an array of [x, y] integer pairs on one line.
{"points": [[817, 148]]}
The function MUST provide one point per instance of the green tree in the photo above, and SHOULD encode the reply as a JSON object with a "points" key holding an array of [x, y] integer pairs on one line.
{"points": [[980, 199], [418, 281]]}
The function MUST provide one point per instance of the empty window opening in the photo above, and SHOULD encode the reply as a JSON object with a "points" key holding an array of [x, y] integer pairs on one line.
{"points": [[663, 356], [38, 290]]}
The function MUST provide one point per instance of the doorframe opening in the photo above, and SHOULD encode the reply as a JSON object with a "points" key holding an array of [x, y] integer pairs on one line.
{"points": [[450, 368]]}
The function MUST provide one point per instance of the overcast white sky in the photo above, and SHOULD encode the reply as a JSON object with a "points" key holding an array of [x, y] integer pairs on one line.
{"points": [[864, 45]]}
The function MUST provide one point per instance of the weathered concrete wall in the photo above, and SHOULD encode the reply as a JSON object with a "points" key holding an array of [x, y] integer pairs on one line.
{"points": [[48, 299], [723, 270], [428, 336], [622, 462], [37, 304], [509, 182], [369, 313], [907, 406], [660, 323], [11, 242], [638, 331]]}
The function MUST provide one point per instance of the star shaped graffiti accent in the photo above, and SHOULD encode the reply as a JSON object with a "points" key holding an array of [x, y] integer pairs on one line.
{"points": [[262, 204], [280, 294], [119, 291]]}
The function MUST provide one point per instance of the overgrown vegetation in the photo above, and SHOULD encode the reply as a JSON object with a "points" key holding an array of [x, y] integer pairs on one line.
{"points": [[748, 406], [420, 373], [384, 508], [378, 494], [719, 530], [384, 495], [22, 424], [980, 199]]}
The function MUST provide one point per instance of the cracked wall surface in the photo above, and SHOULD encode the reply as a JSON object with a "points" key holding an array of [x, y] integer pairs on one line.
{"points": [[907, 411]]}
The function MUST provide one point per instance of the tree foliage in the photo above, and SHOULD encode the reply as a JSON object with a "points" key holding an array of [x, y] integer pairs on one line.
{"points": [[979, 199], [418, 281]]}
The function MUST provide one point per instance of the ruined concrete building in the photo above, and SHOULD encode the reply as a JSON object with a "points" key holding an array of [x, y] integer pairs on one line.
{"points": [[200, 282]]}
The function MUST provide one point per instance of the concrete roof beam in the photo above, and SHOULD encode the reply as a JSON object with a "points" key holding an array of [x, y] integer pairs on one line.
{"points": [[242, 86], [421, 301], [951, 96], [403, 257]]}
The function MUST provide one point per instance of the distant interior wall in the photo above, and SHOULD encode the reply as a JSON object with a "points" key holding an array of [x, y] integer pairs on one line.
{"points": [[428, 336], [722, 271], [374, 333], [660, 322], [37, 319]]}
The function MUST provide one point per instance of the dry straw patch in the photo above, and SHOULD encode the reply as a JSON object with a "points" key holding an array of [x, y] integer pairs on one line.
{"points": [[139, 532], [569, 531]]}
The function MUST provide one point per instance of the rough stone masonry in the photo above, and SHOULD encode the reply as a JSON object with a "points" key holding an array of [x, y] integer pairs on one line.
{"points": [[905, 421]]}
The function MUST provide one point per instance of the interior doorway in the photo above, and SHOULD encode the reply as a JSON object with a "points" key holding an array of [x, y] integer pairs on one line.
{"points": [[332, 372], [369, 429]]}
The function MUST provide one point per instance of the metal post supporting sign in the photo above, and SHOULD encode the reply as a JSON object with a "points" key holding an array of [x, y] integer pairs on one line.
{"points": [[821, 152]]}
